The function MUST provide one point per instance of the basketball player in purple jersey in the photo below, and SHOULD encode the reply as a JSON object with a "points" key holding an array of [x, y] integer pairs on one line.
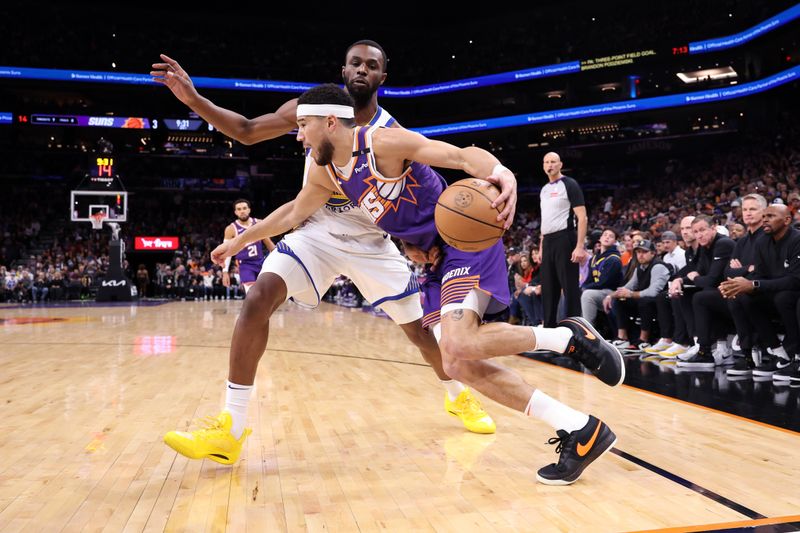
{"points": [[337, 239], [250, 259], [385, 172]]}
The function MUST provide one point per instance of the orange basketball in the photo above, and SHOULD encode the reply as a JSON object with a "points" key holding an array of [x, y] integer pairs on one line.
{"points": [[465, 217]]}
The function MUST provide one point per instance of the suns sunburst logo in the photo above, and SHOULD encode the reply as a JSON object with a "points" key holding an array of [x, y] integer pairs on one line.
{"points": [[384, 195]]}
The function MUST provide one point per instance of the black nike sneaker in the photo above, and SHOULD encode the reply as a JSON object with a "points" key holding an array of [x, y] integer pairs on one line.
{"points": [[788, 373], [703, 360], [578, 450], [742, 366], [597, 354]]}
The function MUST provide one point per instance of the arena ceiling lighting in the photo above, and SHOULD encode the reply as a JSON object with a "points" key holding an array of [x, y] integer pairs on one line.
{"points": [[719, 73]]}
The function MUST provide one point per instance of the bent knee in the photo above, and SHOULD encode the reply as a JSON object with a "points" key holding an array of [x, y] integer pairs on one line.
{"points": [[455, 368], [263, 299], [456, 349]]}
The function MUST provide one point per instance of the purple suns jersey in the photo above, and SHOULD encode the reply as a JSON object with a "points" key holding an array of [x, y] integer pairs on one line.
{"points": [[254, 251], [404, 208], [401, 206]]}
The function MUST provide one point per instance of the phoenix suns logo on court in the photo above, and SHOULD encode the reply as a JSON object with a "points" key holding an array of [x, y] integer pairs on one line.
{"points": [[380, 196]]}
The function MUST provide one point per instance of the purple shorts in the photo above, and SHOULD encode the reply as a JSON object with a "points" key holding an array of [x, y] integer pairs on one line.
{"points": [[459, 273], [249, 270]]}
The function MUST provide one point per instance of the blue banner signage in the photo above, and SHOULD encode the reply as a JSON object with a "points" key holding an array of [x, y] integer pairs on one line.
{"points": [[721, 43], [629, 106], [710, 45]]}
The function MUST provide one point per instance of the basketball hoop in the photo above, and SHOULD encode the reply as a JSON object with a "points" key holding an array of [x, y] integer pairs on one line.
{"points": [[97, 219]]}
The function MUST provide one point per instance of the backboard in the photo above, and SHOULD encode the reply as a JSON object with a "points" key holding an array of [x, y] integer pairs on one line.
{"points": [[84, 204], [100, 190]]}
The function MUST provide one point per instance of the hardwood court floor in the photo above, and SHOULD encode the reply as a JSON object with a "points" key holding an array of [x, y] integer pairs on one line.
{"points": [[349, 434]]}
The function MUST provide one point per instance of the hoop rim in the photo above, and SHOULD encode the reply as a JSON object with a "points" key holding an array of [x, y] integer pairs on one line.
{"points": [[97, 219]]}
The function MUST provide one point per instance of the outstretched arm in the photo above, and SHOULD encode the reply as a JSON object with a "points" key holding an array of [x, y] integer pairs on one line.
{"points": [[234, 125], [477, 162], [310, 198]]}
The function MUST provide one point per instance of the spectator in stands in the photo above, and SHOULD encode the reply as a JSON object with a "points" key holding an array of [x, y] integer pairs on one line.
{"points": [[39, 289], [529, 293], [638, 296], [23, 287], [627, 253], [676, 321], [513, 264], [57, 286], [218, 288], [674, 255], [737, 231], [734, 214], [605, 276], [142, 280], [713, 256], [207, 277]]}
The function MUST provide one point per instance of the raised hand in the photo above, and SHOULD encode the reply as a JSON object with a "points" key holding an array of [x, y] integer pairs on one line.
{"points": [[171, 74]]}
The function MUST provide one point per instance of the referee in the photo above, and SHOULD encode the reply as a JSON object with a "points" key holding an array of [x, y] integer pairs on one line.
{"points": [[561, 249]]}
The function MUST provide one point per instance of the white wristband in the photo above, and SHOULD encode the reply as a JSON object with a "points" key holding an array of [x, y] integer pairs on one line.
{"points": [[498, 168]]}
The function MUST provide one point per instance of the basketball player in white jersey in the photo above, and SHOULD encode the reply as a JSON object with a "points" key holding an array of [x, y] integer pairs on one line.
{"points": [[251, 258], [310, 258]]}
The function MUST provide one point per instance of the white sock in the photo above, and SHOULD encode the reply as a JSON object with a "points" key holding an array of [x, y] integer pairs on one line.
{"points": [[453, 388], [553, 339], [555, 413], [236, 399]]}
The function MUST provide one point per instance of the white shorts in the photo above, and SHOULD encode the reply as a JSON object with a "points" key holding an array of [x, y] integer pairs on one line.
{"points": [[309, 261]]}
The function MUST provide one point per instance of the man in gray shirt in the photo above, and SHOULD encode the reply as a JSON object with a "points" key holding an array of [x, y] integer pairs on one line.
{"points": [[638, 297]]}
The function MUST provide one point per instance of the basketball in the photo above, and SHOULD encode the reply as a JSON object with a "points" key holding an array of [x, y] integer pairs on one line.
{"points": [[465, 217]]}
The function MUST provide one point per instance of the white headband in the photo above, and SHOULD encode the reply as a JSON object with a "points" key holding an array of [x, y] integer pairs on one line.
{"points": [[323, 110]]}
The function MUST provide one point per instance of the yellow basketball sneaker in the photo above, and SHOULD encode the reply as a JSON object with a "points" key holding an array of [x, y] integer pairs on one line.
{"points": [[468, 408], [214, 441]]}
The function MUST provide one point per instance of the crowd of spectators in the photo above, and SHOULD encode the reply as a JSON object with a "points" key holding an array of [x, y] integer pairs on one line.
{"points": [[43, 256], [692, 270]]}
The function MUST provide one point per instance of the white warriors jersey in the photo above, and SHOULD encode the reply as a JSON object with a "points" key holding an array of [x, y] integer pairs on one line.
{"points": [[339, 217]]}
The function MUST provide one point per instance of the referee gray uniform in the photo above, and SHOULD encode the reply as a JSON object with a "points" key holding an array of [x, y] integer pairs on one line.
{"points": [[559, 231]]}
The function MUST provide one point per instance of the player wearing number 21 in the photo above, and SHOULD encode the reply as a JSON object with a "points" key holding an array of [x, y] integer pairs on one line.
{"points": [[387, 173], [252, 255]]}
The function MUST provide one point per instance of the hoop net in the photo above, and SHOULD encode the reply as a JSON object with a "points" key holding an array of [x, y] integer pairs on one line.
{"points": [[97, 220]]}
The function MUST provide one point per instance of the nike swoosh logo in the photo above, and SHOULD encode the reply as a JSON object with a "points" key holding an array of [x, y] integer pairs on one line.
{"points": [[589, 334], [583, 449]]}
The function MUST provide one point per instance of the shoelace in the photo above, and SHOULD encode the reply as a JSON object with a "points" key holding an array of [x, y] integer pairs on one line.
{"points": [[473, 405], [210, 425], [562, 441]]}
